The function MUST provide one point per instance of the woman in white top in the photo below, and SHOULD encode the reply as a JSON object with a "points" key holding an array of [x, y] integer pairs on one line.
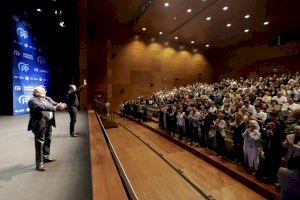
{"points": [[180, 122], [251, 138]]}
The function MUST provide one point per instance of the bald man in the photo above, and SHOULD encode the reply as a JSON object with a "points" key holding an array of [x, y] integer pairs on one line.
{"points": [[42, 119], [73, 103]]}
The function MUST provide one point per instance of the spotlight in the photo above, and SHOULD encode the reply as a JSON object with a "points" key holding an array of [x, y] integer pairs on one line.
{"points": [[225, 8], [62, 24]]}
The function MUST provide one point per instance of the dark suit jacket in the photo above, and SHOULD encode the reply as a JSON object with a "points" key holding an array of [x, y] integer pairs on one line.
{"points": [[72, 98], [39, 113]]}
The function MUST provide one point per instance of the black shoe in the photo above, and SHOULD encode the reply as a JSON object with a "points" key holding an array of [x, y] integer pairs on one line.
{"points": [[74, 135], [40, 167], [49, 159]]}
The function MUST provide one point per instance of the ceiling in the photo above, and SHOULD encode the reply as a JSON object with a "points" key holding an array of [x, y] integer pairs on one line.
{"points": [[174, 20]]}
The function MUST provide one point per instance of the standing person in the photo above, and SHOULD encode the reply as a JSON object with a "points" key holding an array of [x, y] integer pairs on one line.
{"points": [[238, 127], [251, 141], [122, 108], [289, 180], [73, 103], [220, 134], [180, 122], [42, 119]]}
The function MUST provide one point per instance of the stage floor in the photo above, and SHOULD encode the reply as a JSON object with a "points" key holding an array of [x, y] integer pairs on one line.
{"points": [[67, 178]]}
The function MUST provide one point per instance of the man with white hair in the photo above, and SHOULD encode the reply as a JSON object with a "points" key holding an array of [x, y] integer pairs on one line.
{"points": [[42, 119]]}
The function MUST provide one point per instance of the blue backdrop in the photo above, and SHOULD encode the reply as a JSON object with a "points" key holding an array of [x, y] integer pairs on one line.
{"points": [[30, 66]]}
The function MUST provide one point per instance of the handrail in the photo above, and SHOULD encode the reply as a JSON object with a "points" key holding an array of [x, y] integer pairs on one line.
{"points": [[111, 114], [128, 187]]}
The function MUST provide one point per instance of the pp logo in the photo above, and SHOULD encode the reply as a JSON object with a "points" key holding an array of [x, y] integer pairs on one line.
{"points": [[17, 53], [22, 33], [23, 99], [41, 60], [18, 87], [23, 67]]}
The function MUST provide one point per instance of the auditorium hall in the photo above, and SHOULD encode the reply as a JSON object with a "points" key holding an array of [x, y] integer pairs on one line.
{"points": [[150, 100]]}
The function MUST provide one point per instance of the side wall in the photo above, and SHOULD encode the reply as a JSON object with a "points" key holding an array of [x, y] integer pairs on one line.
{"points": [[255, 60], [139, 69]]}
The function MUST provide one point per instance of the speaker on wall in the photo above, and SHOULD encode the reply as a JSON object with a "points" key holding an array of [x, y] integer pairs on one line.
{"points": [[92, 30]]}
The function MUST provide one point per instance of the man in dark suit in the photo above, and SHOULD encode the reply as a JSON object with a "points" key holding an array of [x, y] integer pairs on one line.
{"points": [[73, 103], [42, 119]]}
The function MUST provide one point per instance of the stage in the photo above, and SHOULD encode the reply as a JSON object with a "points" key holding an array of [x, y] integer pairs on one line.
{"points": [[67, 178]]}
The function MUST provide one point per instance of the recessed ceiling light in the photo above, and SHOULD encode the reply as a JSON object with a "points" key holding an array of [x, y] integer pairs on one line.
{"points": [[160, 33], [174, 18], [207, 45], [203, 0], [144, 29], [39, 9], [176, 38], [208, 18], [228, 25], [246, 30], [247, 16], [189, 10], [192, 42], [266, 23], [167, 4], [62, 24], [225, 8]]}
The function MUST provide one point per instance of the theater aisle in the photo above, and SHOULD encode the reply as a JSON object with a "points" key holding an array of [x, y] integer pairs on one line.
{"points": [[210, 179], [69, 178], [150, 176]]}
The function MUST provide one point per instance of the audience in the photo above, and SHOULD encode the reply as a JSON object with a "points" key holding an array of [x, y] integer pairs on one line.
{"points": [[255, 122]]}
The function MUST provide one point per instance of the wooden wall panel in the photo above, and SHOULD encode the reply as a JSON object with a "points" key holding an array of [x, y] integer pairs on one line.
{"points": [[259, 59], [141, 69]]}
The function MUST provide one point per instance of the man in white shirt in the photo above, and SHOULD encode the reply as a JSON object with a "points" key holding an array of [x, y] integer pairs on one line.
{"points": [[259, 115], [279, 98], [247, 106]]}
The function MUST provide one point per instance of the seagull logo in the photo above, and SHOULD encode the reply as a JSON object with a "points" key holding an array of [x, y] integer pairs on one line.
{"points": [[22, 33]]}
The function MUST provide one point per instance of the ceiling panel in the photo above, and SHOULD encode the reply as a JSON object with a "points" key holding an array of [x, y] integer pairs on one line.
{"points": [[281, 14], [202, 31], [160, 18]]}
